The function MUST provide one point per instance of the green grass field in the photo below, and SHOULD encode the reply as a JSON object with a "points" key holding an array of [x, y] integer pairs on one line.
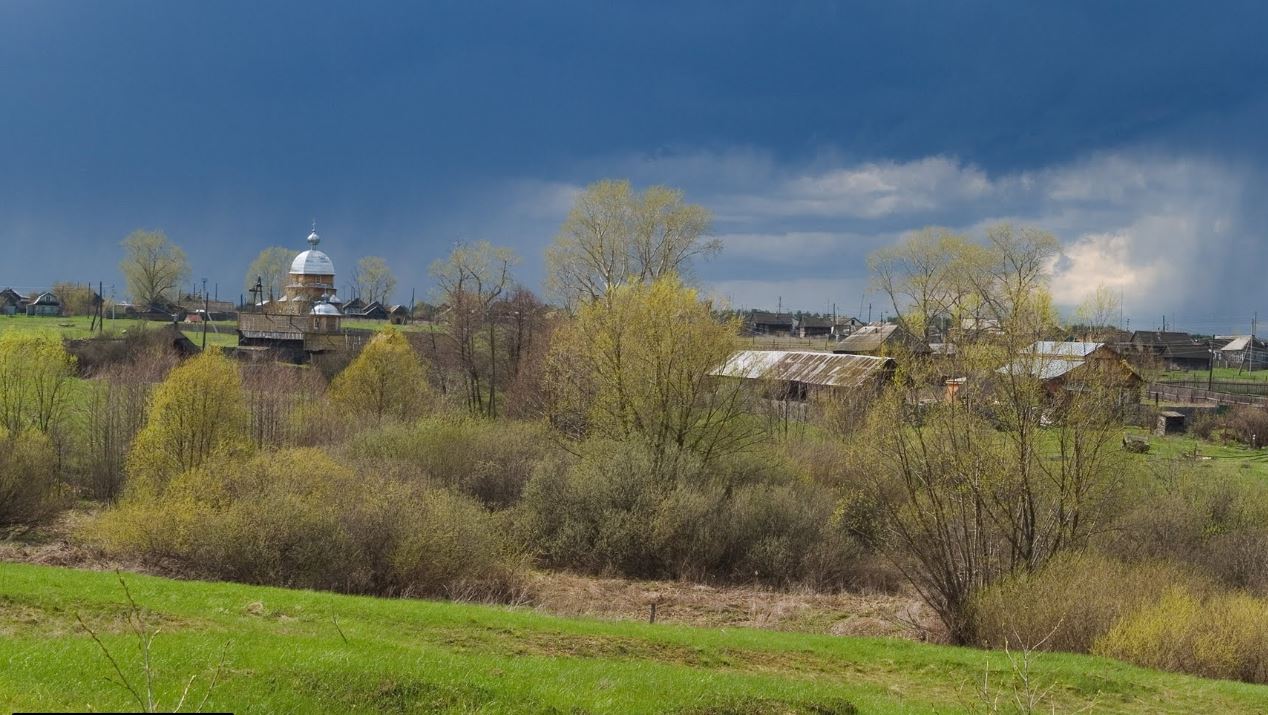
{"points": [[1207, 456], [298, 651], [221, 333]]}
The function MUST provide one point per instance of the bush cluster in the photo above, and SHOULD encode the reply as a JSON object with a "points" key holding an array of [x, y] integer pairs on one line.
{"points": [[491, 461], [1246, 426], [1069, 604], [299, 518], [616, 509], [30, 491], [1217, 636]]}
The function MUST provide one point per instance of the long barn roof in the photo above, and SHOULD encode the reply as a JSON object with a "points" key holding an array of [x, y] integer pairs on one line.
{"points": [[811, 368]]}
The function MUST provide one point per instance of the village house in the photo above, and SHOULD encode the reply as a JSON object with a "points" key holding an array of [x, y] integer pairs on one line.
{"points": [[761, 322], [799, 375], [12, 302], [1071, 366], [1169, 350], [881, 340], [369, 311], [1241, 351], [44, 304], [398, 315]]}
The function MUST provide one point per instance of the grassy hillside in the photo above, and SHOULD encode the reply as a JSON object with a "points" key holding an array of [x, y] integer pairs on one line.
{"points": [[294, 651]]}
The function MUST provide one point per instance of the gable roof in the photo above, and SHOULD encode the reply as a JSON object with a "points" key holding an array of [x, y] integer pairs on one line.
{"points": [[1067, 349], [1170, 344], [810, 368], [873, 338]]}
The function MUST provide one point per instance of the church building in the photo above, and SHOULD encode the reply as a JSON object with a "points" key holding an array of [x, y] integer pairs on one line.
{"points": [[307, 318]]}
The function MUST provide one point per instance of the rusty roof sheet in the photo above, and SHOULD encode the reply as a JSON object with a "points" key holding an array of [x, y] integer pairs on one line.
{"points": [[811, 368]]}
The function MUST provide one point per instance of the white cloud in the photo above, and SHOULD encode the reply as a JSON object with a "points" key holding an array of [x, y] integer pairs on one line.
{"points": [[1130, 220]]}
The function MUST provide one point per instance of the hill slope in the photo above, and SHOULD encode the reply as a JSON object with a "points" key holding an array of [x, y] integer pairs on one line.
{"points": [[298, 651]]}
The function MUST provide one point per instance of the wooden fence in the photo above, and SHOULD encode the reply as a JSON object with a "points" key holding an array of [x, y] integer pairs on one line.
{"points": [[1196, 392]]}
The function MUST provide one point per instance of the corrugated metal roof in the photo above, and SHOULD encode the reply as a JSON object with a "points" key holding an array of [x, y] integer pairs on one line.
{"points": [[1041, 367], [872, 338], [1238, 343], [811, 368], [1068, 349]]}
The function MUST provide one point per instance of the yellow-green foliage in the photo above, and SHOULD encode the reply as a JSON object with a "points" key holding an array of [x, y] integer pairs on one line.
{"points": [[387, 380], [1075, 599], [635, 364], [34, 371], [1220, 636], [196, 412], [299, 518], [29, 489]]}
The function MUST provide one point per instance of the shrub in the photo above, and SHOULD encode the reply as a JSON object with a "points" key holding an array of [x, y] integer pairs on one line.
{"points": [[1242, 425], [298, 518], [616, 509], [197, 412], [491, 461], [1219, 527], [1220, 636], [29, 489], [1074, 600], [386, 381]]}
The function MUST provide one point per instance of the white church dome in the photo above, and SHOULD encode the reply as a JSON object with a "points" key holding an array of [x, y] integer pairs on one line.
{"points": [[313, 262], [325, 309]]}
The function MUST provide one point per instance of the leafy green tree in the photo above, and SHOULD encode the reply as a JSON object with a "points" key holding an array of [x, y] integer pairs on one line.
{"points": [[197, 412], [271, 267], [387, 380], [153, 267], [637, 365]]}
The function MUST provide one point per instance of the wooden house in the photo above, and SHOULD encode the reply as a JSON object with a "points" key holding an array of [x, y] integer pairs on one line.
{"points": [[44, 304], [798, 374], [1241, 351], [881, 340], [398, 315], [1075, 366], [761, 322], [12, 302], [1169, 350]]}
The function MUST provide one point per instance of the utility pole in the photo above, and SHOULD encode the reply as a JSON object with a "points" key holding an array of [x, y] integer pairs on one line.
{"points": [[1210, 361], [1254, 325], [206, 314]]}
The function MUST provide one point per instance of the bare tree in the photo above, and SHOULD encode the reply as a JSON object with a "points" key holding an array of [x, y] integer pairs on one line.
{"points": [[615, 235], [373, 280], [153, 267], [271, 267], [472, 280]]}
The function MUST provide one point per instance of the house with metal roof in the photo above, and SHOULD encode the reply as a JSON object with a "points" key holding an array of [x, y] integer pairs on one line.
{"points": [[1070, 365], [44, 304], [1242, 351], [798, 374], [881, 340]]}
